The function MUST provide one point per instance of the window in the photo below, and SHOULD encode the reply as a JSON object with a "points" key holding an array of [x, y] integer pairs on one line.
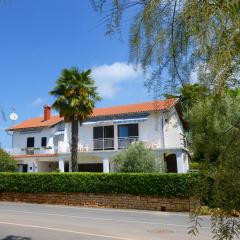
{"points": [[44, 142], [30, 146], [30, 142], [103, 138], [127, 134], [128, 130]]}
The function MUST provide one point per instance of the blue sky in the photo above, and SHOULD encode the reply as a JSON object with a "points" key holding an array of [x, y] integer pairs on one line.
{"points": [[39, 38]]}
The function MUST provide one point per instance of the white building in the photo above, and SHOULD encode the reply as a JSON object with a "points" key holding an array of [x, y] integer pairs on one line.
{"points": [[43, 144]]}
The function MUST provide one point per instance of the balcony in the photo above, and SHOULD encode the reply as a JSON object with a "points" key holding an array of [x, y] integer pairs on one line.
{"points": [[31, 151], [124, 142], [104, 144]]}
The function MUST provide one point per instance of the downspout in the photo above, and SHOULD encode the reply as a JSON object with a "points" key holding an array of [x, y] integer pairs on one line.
{"points": [[163, 142], [162, 125]]}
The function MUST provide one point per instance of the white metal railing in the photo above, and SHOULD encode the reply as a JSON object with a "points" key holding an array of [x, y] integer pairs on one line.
{"points": [[32, 151], [124, 142], [105, 144]]}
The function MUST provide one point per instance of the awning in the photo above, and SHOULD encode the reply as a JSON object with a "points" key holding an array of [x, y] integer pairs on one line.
{"points": [[59, 133], [133, 120], [116, 121]]}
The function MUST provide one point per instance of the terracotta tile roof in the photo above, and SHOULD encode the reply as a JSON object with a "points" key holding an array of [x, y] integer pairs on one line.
{"points": [[135, 108], [98, 112], [36, 123]]}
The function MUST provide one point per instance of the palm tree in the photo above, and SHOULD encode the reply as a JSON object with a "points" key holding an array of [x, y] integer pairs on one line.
{"points": [[76, 95]]}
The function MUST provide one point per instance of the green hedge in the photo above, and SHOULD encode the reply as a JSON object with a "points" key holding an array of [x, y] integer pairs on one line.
{"points": [[168, 185]]}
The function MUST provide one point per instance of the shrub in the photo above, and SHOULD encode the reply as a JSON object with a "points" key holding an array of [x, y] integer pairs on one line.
{"points": [[7, 163], [137, 158], [195, 166], [166, 185]]}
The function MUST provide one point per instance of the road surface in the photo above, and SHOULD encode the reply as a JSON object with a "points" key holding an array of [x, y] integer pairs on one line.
{"points": [[21, 221]]}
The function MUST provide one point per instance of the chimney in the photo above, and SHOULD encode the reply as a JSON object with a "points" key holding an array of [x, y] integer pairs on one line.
{"points": [[47, 113]]}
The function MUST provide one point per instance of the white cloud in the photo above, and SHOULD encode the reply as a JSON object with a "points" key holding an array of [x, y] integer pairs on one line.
{"points": [[108, 78], [38, 101]]}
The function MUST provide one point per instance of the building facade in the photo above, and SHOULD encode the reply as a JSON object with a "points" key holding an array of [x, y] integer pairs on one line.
{"points": [[43, 144]]}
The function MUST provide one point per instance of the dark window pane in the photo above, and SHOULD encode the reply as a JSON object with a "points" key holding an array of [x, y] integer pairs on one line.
{"points": [[97, 132], [30, 142], [128, 130], [44, 142], [108, 132], [133, 130], [98, 138]]}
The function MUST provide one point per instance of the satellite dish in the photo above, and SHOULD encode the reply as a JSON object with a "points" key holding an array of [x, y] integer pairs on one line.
{"points": [[13, 116]]}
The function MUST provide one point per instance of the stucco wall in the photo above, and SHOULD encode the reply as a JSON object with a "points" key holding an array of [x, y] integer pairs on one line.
{"points": [[151, 130], [20, 137], [173, 129], [160, 130]]}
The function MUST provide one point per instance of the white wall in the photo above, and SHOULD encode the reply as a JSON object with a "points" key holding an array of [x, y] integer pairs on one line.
{"points": [[151, 131], [20, 138], [165, 124], [173, 129]]}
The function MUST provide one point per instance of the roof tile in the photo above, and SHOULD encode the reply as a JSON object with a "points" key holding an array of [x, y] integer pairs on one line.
{"points": [[98, 112]]}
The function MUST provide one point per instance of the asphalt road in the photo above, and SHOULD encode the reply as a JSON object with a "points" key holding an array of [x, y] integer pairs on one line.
{"points": [[20, 221]]}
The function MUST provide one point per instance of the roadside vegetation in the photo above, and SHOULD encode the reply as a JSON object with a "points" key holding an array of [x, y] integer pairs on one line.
{"points": [[166, 185], [7, 163], [137, 158], [172, 41]]}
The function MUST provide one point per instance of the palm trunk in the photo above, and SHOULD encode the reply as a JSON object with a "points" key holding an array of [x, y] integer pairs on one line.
{"points": [[74, 147]]}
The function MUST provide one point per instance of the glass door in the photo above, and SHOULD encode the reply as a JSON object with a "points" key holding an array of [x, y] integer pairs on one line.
{"points": [[127, 134], [30, 145], [103, 138]]}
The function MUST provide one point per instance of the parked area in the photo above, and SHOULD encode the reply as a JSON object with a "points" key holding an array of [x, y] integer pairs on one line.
{"points": [[36, 222]]}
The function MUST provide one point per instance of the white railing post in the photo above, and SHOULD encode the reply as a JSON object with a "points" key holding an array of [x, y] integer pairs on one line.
{"points": [[106, 165], [115, 137], [61, 164]]}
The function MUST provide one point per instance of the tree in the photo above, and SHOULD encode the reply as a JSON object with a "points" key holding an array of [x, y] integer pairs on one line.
{"points": [[76, 95], [137, 158], [180, 37], [213, 137], [7, 163], [189, 94], [215, 130]]}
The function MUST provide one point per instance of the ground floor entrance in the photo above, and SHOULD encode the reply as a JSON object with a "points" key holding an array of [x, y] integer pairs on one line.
{"points": [[169, 160], [86, 167]]}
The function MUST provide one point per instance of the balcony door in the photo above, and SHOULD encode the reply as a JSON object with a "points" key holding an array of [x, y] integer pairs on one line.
{"points": [[30, 145], [103, 138], [127, 134]]}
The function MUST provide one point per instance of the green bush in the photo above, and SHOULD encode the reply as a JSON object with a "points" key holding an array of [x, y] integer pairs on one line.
{"points": [[166, 185], [7, 163], [195, 166], [136, 159]]}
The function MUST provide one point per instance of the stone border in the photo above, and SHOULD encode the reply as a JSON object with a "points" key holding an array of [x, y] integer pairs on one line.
{"points": [[122, 201]]}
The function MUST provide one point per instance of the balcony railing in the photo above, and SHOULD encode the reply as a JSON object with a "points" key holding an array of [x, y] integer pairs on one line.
{"points": [[104, 144], [32, 151], [124, 142]]}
